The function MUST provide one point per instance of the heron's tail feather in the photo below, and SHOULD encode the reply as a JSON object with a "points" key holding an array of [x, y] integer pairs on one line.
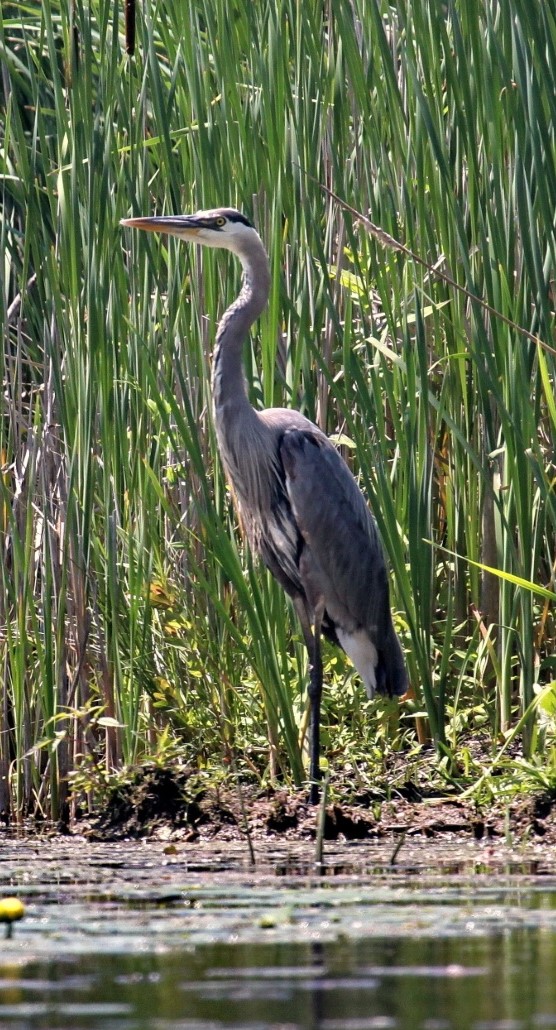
{"points": [[382, 669], [391, 673]]}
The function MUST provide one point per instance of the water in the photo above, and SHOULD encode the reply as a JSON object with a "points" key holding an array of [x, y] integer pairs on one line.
{"points": [[125, 936]]}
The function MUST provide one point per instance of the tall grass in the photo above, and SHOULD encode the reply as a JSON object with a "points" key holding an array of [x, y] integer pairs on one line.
{"points": [[130, 617]]}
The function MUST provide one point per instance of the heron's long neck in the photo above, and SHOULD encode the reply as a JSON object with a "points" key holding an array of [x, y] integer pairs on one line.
{"points": [[228, 382]]}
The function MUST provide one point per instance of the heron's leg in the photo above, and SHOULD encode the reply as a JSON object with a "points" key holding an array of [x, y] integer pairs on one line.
{"points": [[315, 694], [312, 642]]}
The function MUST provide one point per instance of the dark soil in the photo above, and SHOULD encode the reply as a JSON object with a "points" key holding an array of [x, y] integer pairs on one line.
{"points": [[172, 804]]}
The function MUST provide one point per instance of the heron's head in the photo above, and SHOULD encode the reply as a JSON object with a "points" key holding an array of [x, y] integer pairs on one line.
{"points": [[223, 227]]}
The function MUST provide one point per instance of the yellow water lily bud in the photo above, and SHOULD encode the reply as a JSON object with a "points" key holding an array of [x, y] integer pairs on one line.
{"points": [[11, 909]]}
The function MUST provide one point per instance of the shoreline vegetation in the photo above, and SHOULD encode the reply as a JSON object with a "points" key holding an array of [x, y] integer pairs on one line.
{"points": [[399, 161]]}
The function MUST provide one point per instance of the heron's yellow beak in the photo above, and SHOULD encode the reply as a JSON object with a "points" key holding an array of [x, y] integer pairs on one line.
{"points": [[184, 226]]}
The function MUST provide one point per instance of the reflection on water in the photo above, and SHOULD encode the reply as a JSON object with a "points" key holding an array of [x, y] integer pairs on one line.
{"points": [[503, 982], [124, 938]]}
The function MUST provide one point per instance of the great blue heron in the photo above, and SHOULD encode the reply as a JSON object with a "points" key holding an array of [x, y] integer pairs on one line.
{"points": [[298, 503]]}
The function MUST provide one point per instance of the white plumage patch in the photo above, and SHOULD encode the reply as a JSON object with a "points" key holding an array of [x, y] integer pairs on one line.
{"points": [[363, 654]]}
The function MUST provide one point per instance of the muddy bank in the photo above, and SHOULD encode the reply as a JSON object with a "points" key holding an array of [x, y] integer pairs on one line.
{"points": [[167, 804]]}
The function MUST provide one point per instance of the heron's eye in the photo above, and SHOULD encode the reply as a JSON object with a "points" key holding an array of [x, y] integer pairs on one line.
{"points": [[220, 221]]}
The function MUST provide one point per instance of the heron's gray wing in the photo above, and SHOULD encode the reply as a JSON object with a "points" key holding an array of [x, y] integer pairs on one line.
{"points": [[343, 560]]}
